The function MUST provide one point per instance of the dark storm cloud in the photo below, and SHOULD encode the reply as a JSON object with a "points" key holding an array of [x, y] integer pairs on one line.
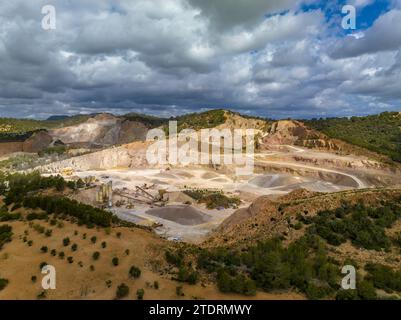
{"points": [[227, 14], [173, 56]]}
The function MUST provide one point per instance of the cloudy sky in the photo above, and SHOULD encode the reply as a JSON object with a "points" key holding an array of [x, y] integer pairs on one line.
{"points": [[274, 58]]}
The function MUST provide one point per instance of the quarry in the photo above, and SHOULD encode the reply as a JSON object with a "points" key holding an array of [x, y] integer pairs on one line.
{"points": [[155, 196], [152, 182], [90, 182]]}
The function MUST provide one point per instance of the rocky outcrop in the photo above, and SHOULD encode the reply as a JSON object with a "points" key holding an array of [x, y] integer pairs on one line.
{"points": [[288, 132], [37, 142], [100, 131], [132, 155], [10, 147]]}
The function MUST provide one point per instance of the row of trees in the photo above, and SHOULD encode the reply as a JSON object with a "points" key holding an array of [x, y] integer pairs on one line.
{"points": [[85, 214], [16, 186]]}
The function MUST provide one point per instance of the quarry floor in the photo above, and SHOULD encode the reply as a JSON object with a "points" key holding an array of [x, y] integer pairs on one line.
{"points": [[181, 221]]}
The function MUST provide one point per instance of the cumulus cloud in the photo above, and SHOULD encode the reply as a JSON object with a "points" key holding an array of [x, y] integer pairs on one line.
{"points": [[382, 36], [168, 57]]}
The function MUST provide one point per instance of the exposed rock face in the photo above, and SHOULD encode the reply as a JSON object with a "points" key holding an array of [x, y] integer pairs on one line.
{"points": [[131, 131], [126, 156], [296, 133], [289, 132], [10, 147], [101, 130], [37, 142]]}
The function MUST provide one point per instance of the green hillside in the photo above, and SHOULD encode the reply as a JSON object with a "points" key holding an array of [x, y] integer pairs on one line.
{"points": [[147, 120], [19, 129], [12, 125], [197, 121], [379, 133]]}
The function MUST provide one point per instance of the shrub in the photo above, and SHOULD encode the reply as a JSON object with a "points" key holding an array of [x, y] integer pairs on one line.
{"points": [[213, 199], [53, 252], [38, 228], [237, 284], [61, 255], [298, 226], [74, 247], [383, 277], [3, 283], [187, 274], [66, 242], [347, 295], [140, 293], [34, 279], [135, 272], [104, 244], [96, 255], [115, 261], [122, 291], [36, 216], [70, 259], [5, 216], [44, 249], [179, 292], [5, 234], [156, 285], [93, 239], [366, 290]]}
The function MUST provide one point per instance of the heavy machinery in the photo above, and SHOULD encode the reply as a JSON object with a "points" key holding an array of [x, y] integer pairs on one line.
{"points": [[105, 194]]}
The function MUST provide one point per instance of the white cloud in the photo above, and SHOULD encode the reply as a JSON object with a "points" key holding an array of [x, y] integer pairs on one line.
{"points": [[172, 56]]}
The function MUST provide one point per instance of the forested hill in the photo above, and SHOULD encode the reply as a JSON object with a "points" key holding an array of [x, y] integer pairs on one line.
{"points": [[379, 133]]}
